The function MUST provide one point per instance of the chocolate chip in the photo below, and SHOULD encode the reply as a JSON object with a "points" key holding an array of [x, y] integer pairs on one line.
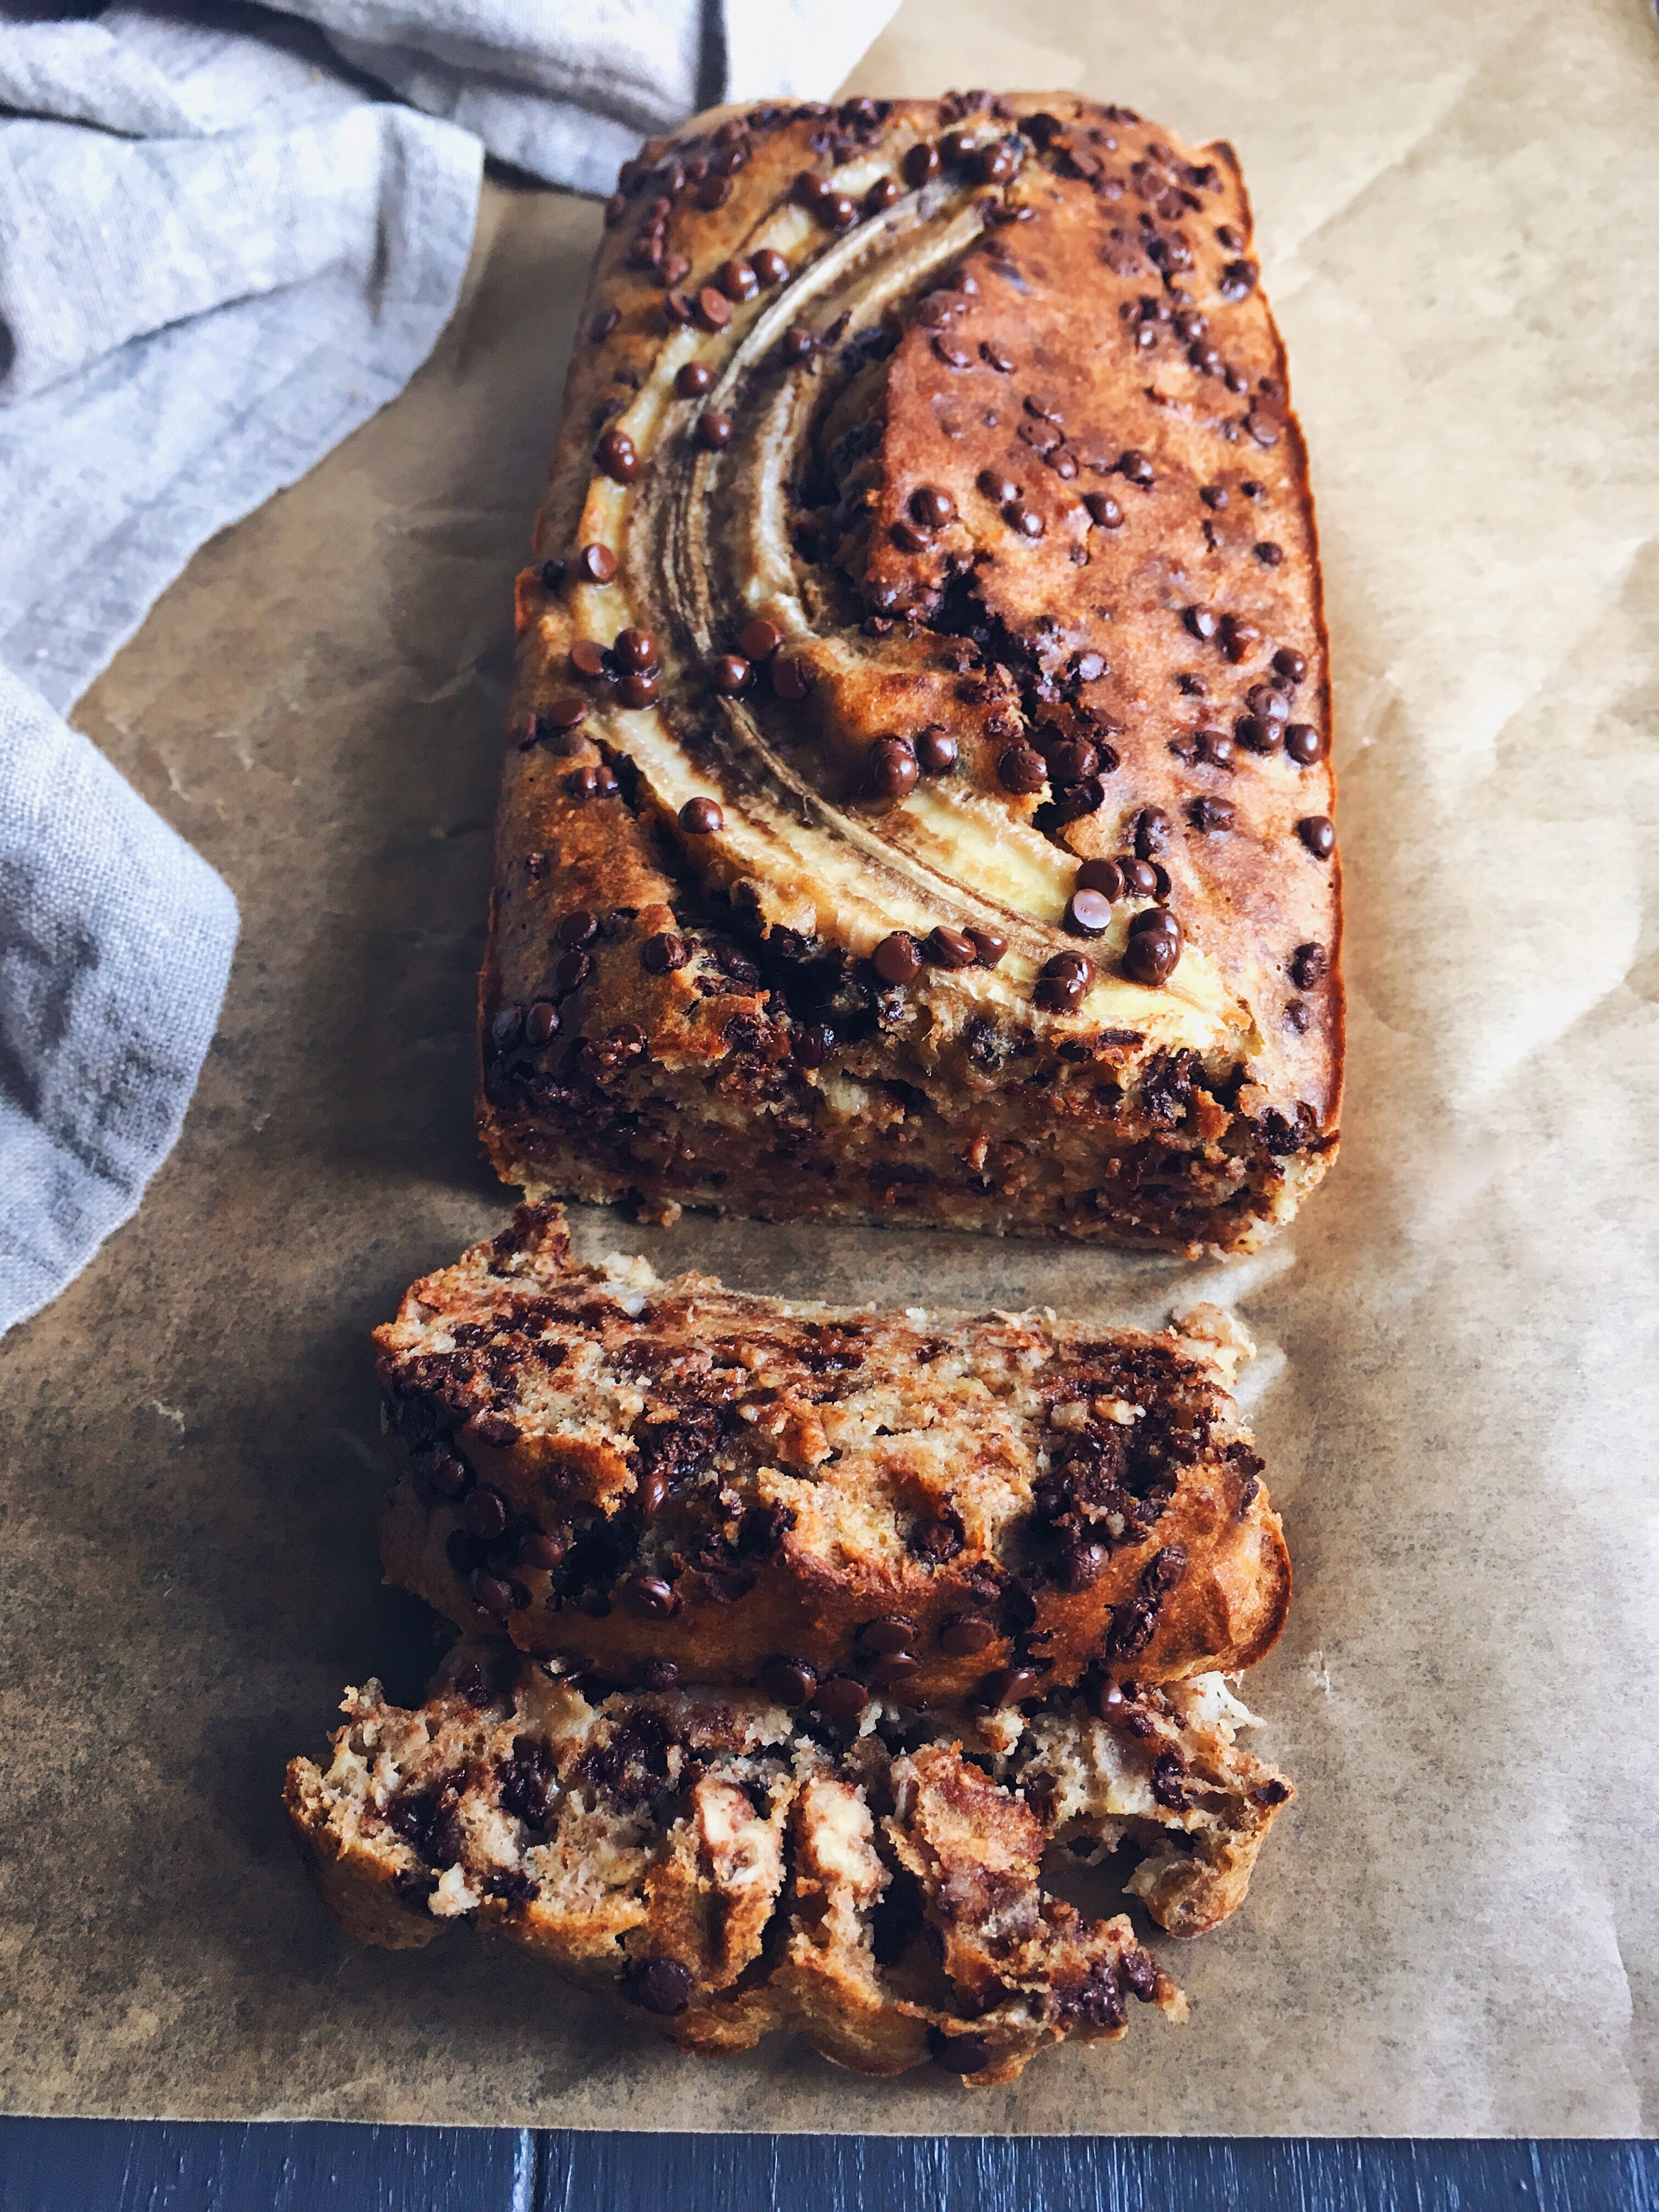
{"points": [[949, 948], [592, 781], [890, 1634], [907, 537], [1201, 622], [648, 1595], [920, 166], [541, 1024], [1088, 913], [1267, 700], [936, 751], [737, 279], [1237, 638], [492, 1593], [637, 690], [616, 456], [1071, 761], [966, 1634], [997, 357], [996, 486], [1103, 877], [564, 713], [758, 640], [1257, 735], [1216, 747], [813, 1045], [693, 379], [636, 649], [714, 431], [787, 1681], [538, 1549], [1268, 553], [933, 509], [996, 165], [1133, 465], [484, 1514], [797, 344], [989, 945], [596, 564], [1103, 509], [1303, 744], [570, 971], [1318, 833], [1025, 520], [1289, 662], [449, 1474], [662, 954], [1009, 1685], [700, 818], [1140, 878], [713, 193], [881, 196], [1237, 277], [1210, 815], [1022, 771], [889, 768], [962, 2054], [897, 958], [1309, 966], [771, 268], [711, 310], [587, 657], [1153, 951], [790, 680], [840, 1700], [660, 1985], [1063, 983], [729, 674], [1152, 832], [1264, 426]]}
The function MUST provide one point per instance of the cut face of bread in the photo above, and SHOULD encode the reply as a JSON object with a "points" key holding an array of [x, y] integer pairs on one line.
{"points": [[918, 801], [722, 1867], [835, 1505]]}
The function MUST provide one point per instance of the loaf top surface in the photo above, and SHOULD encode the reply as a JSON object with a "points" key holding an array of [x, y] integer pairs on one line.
{"points": [[926, 476]]}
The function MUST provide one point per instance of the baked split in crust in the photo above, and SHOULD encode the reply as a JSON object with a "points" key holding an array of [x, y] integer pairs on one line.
{"points": [[928, 609], [721, 1867], [838, 1505]]}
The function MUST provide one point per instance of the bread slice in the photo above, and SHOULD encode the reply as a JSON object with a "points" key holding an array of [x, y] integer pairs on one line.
{"points": [[839, 1505], [918, 801], [722, 1867]]}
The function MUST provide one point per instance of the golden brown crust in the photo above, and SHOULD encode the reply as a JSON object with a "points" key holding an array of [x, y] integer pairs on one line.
{"points": [[1148, 646], [721, 1869], [626, 1471]]}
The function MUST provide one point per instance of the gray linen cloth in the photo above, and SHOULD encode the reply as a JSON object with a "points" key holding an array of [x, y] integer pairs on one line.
{"points": [[221, 249]]}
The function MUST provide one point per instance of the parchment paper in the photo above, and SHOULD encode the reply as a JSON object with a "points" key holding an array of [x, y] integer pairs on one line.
{"points": [[1454, 1930]]}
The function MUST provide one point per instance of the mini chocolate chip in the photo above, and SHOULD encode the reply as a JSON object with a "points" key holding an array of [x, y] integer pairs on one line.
{"points": [[1063, 984], [989, 945], [570, 971], [636, 649], [797, 344], [758, 640], [996, 165], [1088, 913], [660, 1985], [966, 1634], [637, 690], [932, 508], [1008, 1685], [1308, 966], [897, 958], [538, 1549], [449, 1474], [889, 768], [1289, 662], [592, 781], [963, 2054], [787, 1681], [616, 455], [729, 674], [949, 948], [693, 379], [1025, 520], [920, 165], [996, 486], [737, 279], [601, 325], [713, 193], [1217, 747], [1213, 496], [936, 751], [1268, 553], [998, 357], [648, 1595], [1303, 744], [1210, 815], [596, 564], [1318, 833], [1267, 700], [541, 1024], [1153, 951], [1264, 426], [1104, 877], [711, 310], [771, 268], [1103, 509], [953, 353], [907, 536], [1238, 637], [564, 712], [813, 1045], [1133, 465], [1251, 489], [1071, 761], [662, 954], [881, 196], [1258, 735], [1022, 770], [587, 657], [840, 1700], [714, 431], [790, 680], [700, 818], [1140, 878], [652, 1494], [1151, 833], [484, 1513], [494, 1595], [888, 1636], [1201, 622]]}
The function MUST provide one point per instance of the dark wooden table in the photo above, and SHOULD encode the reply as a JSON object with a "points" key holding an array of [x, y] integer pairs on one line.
{"points": [[110, 2166]]}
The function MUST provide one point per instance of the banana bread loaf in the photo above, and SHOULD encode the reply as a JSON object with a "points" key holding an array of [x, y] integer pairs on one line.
{"points": [[836, 1505], [918, 800], [722, 1867]]}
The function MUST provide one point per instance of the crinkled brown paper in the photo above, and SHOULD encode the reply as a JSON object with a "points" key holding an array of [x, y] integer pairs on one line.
{"points": [[1454, 1930]]}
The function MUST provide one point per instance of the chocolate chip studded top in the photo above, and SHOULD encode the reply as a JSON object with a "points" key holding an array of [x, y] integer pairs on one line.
{"points": [[1009, 420], [840, 1505]]}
